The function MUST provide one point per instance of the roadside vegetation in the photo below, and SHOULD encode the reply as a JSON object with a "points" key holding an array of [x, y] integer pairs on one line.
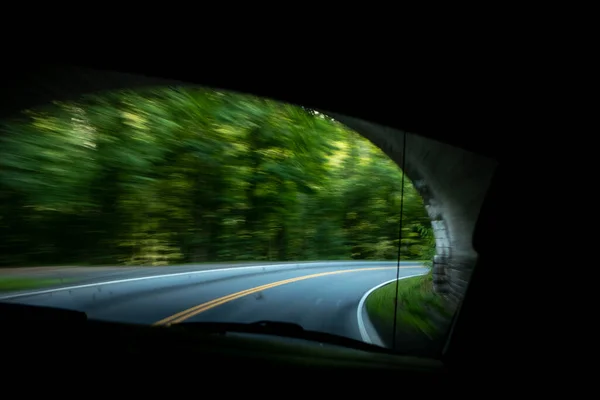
{"points": [[181, 175], [422, 314], [8, 284]]}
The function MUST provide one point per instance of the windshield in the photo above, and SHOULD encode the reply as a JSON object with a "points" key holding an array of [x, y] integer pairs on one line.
{"points": [[178, 205]]}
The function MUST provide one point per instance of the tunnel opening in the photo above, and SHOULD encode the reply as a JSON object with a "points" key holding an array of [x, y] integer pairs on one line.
{"points": [[450, 183]]}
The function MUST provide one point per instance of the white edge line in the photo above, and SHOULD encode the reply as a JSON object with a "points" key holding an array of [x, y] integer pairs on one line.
{"points": [[141, 278], [361, 323]]}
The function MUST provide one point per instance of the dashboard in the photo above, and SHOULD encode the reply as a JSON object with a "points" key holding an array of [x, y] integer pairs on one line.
{"points": [[175, 351]]}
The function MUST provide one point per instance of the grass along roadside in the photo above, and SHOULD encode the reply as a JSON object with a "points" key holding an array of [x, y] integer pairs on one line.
{"points": [[419, 307], [8, 284]]}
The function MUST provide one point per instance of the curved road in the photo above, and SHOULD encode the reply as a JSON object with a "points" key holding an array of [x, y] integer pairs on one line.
{"points": [[321, 296]]}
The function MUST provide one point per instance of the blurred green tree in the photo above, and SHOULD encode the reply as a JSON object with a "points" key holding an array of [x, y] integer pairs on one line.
{"points": [[175, 175]]}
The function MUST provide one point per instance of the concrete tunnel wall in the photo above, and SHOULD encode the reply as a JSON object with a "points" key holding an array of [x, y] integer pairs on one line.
{"points": [[452, 181]]}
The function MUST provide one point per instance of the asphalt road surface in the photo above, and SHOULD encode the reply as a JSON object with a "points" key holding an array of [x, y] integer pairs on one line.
{"points": [[321, 296]]}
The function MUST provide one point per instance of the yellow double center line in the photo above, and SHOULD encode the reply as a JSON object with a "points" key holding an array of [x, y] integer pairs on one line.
{"points": [[190, 312]]}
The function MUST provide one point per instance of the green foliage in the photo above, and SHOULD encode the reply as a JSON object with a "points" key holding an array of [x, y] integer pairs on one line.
{"points": [[8, 283], [417, 302], [186, 175]]}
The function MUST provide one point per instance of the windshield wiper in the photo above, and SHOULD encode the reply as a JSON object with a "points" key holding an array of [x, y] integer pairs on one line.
{"points": [[285, 329]]}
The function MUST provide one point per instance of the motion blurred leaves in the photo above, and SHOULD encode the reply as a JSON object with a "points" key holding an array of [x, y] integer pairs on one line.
{"points": [[175, 175]]}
